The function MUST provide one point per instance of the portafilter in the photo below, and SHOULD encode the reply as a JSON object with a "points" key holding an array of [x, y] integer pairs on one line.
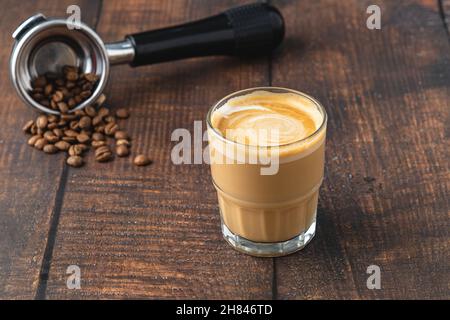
{"points": [[45, 45]]}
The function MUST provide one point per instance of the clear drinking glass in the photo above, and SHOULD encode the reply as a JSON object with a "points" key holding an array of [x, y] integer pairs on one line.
{"points": [[268, 215]]}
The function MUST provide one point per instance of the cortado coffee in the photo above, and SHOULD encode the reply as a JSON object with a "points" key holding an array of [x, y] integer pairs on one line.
{"points": [[267, 161]]}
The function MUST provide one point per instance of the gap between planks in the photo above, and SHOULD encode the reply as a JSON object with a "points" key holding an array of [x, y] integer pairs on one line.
{"points": [[56, 212]]}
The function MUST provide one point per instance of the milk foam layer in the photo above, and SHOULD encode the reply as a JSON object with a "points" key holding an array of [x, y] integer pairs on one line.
{"points": [[251, 119]]}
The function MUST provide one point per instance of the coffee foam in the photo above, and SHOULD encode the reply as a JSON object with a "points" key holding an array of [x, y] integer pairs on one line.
{"points": [[243, 119], [295, 118]]}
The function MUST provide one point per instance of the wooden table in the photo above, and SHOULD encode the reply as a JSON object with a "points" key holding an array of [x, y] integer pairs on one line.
{"points": [[154, 232]]}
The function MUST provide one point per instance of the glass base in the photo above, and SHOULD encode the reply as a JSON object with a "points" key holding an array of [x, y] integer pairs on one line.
{"points": [[264, 249]]}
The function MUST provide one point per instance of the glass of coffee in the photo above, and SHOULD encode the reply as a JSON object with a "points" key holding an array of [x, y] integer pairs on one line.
{"points": [[267, 150]]}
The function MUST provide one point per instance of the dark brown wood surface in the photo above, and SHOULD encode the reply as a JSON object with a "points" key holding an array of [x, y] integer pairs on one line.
{"points": [[387, 96], [31, 183], [154, 232]]}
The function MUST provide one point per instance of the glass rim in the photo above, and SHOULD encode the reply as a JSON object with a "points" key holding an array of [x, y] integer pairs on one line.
{"points": [[267, 88]]}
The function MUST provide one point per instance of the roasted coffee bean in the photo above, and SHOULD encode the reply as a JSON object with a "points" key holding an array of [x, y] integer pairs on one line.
{"points": [[122, 150], [97, 120], [69, 96], [60, 82], [79, 113], [74, 125], [97, 136], [87, 87], [52, 118], [70, 85], [70, 133], [27, 127], [142, 160], [58, 132], [76, 91], [51, 137], [103, 154], [75, 161], [39, 82], [53, 105], [69, 139], [100, 128], [111, 128], [98, 143], [85, 94], [90, 111], [47, 134], [120, 135], [102, 149], [40, 143], [38, 96], [75, 150], [91, 77], [122, 113], [86, 131], [33, 139], [52, 126], [82, 146], [85, 122], [83, 138], [68, 117], [58, 96], [65, 92], [62, 145], [71, 103], [48, 89], [123, 142], [109, 119], [78, 98], [42, 121], [103, 112], [66, 69], [63, 107], [71, 76], [33, 129], [101, 100], [104, 157], [50, 148]]}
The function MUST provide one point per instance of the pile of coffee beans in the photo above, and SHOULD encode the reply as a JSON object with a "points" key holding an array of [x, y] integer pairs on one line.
{"points": [[64, 91], [75, 133]]}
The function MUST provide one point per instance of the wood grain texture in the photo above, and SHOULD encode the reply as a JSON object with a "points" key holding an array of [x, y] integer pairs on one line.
{"points": [[29, 179], [387, 97], [154, 232]]}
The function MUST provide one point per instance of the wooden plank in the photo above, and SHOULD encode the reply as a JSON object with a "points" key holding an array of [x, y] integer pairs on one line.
{"points": [[387, 96], [30, 180], [445, 14], [154, 232]]}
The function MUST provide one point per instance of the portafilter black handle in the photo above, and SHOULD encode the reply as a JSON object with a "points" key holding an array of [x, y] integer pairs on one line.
{"points": [[254, 29]]}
